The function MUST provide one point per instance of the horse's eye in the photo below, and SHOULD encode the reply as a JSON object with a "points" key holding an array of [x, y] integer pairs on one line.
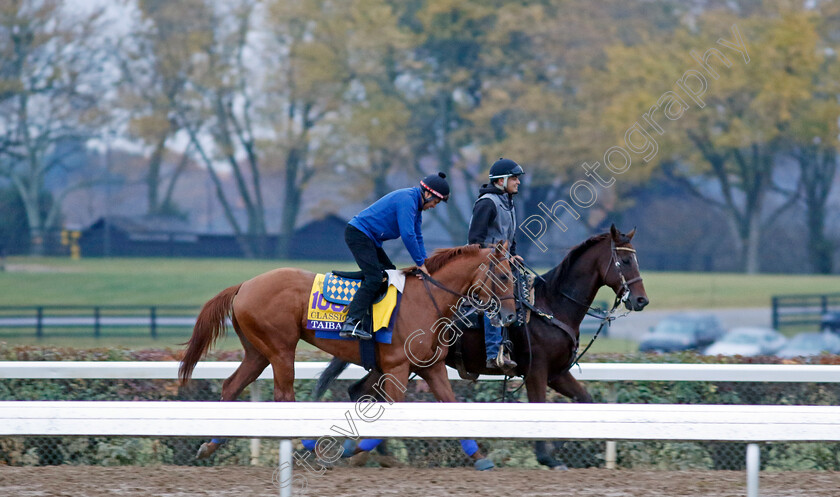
{"points": [[626, 261], [503, 277]]}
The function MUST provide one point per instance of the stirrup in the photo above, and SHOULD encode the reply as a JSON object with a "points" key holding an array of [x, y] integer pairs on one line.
{"points": [[505, 363], [355, 332], [347, 328], [361, 334]]}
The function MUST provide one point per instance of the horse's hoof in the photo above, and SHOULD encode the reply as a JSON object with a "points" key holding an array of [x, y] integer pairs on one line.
{"points": [[560, 467], [484, 464], [206, 450], [325, 464], [359, 460], [388, 461]]}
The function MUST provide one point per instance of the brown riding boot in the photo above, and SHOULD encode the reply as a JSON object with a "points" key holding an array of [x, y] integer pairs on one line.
{"points": [[503, 362]]}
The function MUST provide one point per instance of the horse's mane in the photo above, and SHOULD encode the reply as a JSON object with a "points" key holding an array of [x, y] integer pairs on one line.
{"points": [[441, 257], [561, 271]]}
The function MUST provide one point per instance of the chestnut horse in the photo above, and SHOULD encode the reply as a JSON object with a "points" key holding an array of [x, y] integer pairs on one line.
{"points": [[544, 348], [268, 313]]}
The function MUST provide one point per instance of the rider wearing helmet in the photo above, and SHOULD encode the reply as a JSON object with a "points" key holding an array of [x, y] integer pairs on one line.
{"points": [[494, 220], [396, 215]]}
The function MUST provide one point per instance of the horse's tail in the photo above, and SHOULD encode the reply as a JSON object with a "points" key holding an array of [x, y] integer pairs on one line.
{"points": [[209, 327], [332, 371]]}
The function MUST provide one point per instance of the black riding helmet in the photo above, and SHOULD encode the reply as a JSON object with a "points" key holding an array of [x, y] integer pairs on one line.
{"points": [[436, 184], [504, 168]]}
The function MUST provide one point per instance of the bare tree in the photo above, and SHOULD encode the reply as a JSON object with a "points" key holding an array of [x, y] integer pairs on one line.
{"points": [[155, 62], [217, 112], [311, 76], [50, 81]]}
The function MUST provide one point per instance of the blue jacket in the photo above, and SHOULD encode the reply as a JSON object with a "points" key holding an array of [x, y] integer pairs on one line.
{"points": [[395, 215]]}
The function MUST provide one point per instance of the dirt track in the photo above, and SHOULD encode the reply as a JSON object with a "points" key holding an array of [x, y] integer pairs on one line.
{"points": [[174, 481]]}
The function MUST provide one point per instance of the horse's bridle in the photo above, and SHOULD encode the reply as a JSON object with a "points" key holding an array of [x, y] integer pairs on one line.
{"points": [[605, 316], [625, 284], [428, 279], [624, 290]]}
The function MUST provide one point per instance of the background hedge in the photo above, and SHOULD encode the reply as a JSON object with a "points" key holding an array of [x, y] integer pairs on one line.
{"points": [[422, 453]]}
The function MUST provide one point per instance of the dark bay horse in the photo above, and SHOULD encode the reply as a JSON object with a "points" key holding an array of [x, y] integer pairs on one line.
{"points": [[545, 348], [268, 313]]}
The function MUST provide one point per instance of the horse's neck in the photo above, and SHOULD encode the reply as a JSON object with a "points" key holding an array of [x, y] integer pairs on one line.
{"points": [[456, 278], [581, 284]]}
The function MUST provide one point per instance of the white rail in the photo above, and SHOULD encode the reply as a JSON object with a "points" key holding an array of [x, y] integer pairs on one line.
{"points": [[787, 373], [572, 421], [426, 420], [423, 420]]}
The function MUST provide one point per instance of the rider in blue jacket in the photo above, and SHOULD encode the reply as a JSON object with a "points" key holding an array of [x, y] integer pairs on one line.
{"points": [[396, 215]]}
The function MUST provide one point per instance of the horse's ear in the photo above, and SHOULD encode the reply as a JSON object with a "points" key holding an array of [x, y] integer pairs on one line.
{"points": [[631, 234], [614, 233], [501, 247]]}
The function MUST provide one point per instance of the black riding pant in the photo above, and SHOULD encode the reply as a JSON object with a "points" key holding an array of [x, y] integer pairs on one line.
{"points": [[372, 260]]}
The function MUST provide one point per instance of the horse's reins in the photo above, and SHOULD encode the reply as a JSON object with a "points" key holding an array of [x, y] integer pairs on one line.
{"points": [[605, 317], [429, 279]]}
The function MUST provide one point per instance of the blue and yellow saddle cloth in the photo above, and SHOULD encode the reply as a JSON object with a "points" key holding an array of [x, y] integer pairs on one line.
{"points": [[327, 307], [339, 290]]}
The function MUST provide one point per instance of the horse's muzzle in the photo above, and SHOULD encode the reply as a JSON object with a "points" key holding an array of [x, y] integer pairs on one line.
{"points": [[636, 303], [507, 318]]}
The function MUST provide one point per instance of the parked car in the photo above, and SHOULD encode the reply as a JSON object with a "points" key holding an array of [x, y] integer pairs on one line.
{"points": [[685, 331], [748, 341], [807, 344], [830, 321]]}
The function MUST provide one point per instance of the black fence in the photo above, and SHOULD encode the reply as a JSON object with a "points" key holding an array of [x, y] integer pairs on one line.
{"points": [[69, 320], [66, 320], [801, 312], [54, 243]]}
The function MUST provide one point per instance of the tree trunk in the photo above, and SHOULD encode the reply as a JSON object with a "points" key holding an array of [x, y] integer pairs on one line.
{"points": [[818, 168], [36, 242], [153, 176], [751, 243], [820, 249], [456, 224], [291, 203], [380, 178], [535, 195]]}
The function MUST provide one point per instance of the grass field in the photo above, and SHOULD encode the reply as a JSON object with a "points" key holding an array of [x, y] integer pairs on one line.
{"points": [[51, 281], [137, 281]]}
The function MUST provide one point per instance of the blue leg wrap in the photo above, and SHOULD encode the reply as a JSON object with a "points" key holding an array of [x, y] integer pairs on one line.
{"points": [[349, 447], [369, 444], [219, 441], [470, 447], [308, 444]]}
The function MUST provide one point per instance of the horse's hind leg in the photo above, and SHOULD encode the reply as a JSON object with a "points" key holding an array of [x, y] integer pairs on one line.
{"points": [[438, 379], [283, 365], [248, 371]]}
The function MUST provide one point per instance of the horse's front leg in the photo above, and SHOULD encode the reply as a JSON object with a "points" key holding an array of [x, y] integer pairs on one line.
{"points": [[565, 384], [536, 384], [437, 377]]}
